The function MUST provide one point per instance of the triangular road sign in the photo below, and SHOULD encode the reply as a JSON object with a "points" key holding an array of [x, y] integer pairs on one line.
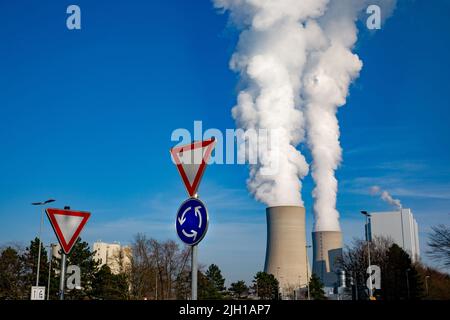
{"points": [[67, 225], [191, 160]]}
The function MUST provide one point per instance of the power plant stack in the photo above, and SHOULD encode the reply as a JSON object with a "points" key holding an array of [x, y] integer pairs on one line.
{"points": [[327, 249], [286, 247]]}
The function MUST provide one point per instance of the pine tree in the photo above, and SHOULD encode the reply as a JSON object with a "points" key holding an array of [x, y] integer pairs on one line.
{"points": [[29, 259], [109, 286], [206, 288], [215, 276], [211, 284], [399, 278], [11, 276], [82, 257], [266, 286], [316, 288], [238, 288]]}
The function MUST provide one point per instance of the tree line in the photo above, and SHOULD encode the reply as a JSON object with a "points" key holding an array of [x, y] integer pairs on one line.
{"points": [[156, 270], [401, 278]]}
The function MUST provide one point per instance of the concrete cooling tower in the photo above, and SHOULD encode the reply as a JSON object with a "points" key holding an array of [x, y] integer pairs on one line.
{"points": [[286, 246], [327, 248]]}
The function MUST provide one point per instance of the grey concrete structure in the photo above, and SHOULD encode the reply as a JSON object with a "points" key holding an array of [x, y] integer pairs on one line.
{"points": [[400, 226], [327, 248], [286, 247]]}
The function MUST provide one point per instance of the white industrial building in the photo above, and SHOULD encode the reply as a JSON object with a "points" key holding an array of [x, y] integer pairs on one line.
{"points": [[113, 255], [400, 226]]}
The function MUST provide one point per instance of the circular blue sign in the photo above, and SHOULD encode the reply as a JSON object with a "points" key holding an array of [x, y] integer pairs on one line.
{"points": [[192, 221]]}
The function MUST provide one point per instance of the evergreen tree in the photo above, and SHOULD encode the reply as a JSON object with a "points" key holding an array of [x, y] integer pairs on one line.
{"points": [[215, 276], [266, 286], [29, 259], [11, 276], [206, 288], [399, 278], [238, 288], [109, 286], [82, 257], [316, 291], [211, 284]]}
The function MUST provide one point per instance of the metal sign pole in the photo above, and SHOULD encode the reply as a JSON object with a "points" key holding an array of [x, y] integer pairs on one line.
{"points": [[194, 272], [62, 276], [368, 258]]}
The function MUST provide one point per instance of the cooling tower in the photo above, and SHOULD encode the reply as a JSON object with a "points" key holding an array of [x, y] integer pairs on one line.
{"points": [[286, 251], [327, 248]]}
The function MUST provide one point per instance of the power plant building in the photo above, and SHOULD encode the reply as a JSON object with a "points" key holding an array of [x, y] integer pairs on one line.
{"points": [[286, 256], [327, 250], [400, 226]]}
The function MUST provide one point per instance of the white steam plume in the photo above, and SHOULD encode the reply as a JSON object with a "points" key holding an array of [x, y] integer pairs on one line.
{"points": [[296, 64], [271, 56], [385, 196]]}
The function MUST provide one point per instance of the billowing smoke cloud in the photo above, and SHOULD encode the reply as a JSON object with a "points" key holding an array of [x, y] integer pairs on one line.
{"points": [[296, 64], [385, 196]]}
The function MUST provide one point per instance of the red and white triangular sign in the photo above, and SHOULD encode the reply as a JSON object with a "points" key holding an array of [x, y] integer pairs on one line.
{"points": [[67, 225], [191, 160]]}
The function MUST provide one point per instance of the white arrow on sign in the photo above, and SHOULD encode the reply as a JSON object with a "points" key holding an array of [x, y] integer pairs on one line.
{"points": [[182, 219], [190, 235], [199, 215]]}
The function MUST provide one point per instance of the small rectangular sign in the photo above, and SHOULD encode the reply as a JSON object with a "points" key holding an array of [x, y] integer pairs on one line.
{"points": [[37, 293]]}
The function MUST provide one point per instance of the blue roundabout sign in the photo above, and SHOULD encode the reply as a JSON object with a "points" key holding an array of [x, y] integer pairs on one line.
{"points": [[192, 221]]}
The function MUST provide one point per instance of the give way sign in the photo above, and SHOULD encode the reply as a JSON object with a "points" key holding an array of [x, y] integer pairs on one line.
{"points": [[67, 225], [191, 160]]}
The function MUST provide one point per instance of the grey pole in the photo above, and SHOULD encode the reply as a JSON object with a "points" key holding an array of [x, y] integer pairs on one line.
{"points": [[368, 251], [307, 271], [40, 233], [62, 276], [39, 250], [368, 258], [194, 269], [49, 272]]}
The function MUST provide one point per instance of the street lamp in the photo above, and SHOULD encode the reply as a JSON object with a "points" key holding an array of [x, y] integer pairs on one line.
{"points": [[365, 213], [355, 284], [281, 288], [49, 269], [426, 285], [40, 232], [307, 271]]}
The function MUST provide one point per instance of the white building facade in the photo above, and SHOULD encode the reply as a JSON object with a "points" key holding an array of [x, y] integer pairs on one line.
{"points": [[401, 227], [113, 255]]}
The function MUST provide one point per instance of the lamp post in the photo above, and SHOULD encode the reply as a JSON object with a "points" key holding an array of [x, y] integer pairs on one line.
{"points": [[356, 284], [365, 213], [49, 270], [40, 233], [279, 282], [307, 271], [281, 289], [426, 285]]}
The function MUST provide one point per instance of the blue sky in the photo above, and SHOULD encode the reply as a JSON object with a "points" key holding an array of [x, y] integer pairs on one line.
{"points": [[86, 118]]}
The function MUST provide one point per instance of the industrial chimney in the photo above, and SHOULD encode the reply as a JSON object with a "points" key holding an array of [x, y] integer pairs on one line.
{"points": [[327, 249], [286, 247]]}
